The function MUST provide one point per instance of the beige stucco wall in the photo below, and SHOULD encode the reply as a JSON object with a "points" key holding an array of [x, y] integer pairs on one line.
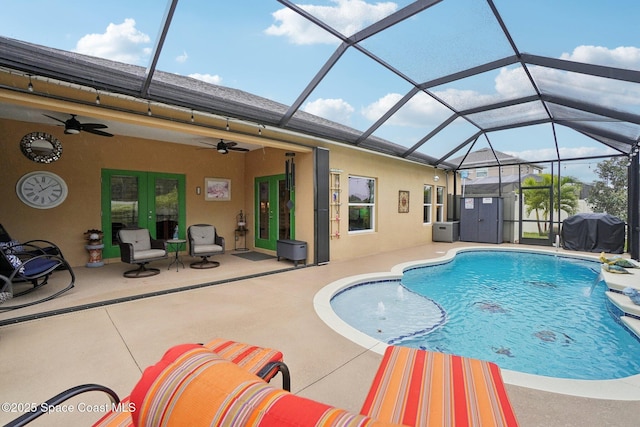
{"points": [[85, 155], [393, 230], [83, 158]]}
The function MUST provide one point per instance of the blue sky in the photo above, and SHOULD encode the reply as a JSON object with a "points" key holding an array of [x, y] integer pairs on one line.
{"points": [[262, 48]]}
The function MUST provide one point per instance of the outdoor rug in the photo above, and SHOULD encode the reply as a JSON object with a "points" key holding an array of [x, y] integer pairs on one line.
{"points": [[254, 256]]}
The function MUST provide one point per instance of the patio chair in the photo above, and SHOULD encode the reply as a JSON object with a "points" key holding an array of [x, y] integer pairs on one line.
{"points": [[263, 362], [437, 389], [137, 247], [194, 386], [204, 242], [33, 245], [28, 264]]}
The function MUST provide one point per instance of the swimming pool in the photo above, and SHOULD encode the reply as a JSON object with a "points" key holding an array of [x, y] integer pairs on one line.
{"points": [[490, 323]]}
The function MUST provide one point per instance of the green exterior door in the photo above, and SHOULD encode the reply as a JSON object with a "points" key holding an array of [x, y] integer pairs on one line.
{"points": [[274, 207], [151, 200]]}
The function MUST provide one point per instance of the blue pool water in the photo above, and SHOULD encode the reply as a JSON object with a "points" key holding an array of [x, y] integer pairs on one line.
{"points": [[533, 313]]}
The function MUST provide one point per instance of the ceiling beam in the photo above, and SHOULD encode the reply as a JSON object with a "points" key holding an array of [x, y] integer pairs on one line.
{"points": [[592, 108], [164, 29], [583, 68]]}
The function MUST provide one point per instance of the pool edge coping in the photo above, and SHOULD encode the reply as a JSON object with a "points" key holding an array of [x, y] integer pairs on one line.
{"points": [[627, 388]]}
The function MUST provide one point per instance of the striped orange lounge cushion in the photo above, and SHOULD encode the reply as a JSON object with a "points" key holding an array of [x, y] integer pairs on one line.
{"points": [[250, 357], [198, 388], [422, 388]]}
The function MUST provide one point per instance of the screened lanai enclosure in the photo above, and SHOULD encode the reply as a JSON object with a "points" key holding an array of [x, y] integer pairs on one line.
{"points": [[515, 96]]}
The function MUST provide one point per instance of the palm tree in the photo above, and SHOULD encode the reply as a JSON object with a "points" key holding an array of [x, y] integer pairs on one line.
{"points": [[537, 199]]}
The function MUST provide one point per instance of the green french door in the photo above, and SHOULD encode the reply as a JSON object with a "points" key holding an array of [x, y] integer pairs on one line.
{"points": [[274, 207], [151, 200]]}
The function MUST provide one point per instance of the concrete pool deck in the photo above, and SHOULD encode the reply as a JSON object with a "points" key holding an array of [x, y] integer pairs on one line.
{"points": [[111, 344]]}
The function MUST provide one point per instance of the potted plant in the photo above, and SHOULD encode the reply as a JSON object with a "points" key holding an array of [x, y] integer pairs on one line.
{"points": [[94, 238]]}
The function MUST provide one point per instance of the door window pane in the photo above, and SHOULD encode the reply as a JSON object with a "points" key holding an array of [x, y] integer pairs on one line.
{"points": [[124, 204], [263, 218], [166, 206]]}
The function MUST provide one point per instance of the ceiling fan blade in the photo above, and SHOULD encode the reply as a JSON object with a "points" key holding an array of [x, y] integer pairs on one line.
{"points": [[208, 144], [54, 118], [88, 126], [231, 145], [98, 132]]}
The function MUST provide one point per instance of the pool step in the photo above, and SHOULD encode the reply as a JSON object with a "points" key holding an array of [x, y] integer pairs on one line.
{"points": [[623, 302], [632, 323], [618, 281]]}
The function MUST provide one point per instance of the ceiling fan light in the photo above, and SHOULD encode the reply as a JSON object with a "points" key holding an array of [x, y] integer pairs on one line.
{"points": [[72, 131], [222, 147]]}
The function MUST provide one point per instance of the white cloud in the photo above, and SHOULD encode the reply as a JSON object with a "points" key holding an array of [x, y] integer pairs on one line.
{"points": [[346, 16], [120, 42], [182, 58], [420, 111], [608, 92], [336, 110], [621, 57], [208, 78]]}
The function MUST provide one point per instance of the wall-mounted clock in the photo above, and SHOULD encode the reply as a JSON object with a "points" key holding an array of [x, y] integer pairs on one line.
{"points": [[41, 190]]}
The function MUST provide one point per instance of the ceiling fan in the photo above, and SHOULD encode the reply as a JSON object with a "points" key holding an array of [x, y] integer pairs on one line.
{"points": [[223, 147], [72, 126]]}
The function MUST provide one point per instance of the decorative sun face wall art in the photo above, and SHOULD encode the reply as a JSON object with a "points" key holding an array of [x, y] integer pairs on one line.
{"points": [[403, 201]]}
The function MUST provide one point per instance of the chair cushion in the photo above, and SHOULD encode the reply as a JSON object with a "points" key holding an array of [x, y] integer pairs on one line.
{"points": [[249, 357], [12, 246], [202, 249], [192, 386], [36, 266], [149, 254], [203, 234], [418, 387], [139, 238]]}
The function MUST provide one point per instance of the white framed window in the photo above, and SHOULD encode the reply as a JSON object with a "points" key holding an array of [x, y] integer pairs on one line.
{"points": [[482, 172], [362, 205], [439, 204], [427, 204]]}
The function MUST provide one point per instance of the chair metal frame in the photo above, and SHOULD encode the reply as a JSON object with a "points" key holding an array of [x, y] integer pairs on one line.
{"points": [[35, 266]]}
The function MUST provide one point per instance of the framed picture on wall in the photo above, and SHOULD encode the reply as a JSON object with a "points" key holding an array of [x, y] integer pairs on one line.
{"points": [[403, 201], [217, 189]]}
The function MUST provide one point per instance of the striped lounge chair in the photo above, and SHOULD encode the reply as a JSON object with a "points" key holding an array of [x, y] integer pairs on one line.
{"points": [[194, 387], [263, 362], [421, 388]]}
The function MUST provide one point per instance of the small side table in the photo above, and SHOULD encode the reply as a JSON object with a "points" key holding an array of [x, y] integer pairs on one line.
{"points": [[175, 245], [241, 233]]}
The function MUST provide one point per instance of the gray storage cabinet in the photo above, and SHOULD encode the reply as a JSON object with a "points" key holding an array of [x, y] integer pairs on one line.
{"points": [[295, 250], [446, 231], [481, 219]]}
